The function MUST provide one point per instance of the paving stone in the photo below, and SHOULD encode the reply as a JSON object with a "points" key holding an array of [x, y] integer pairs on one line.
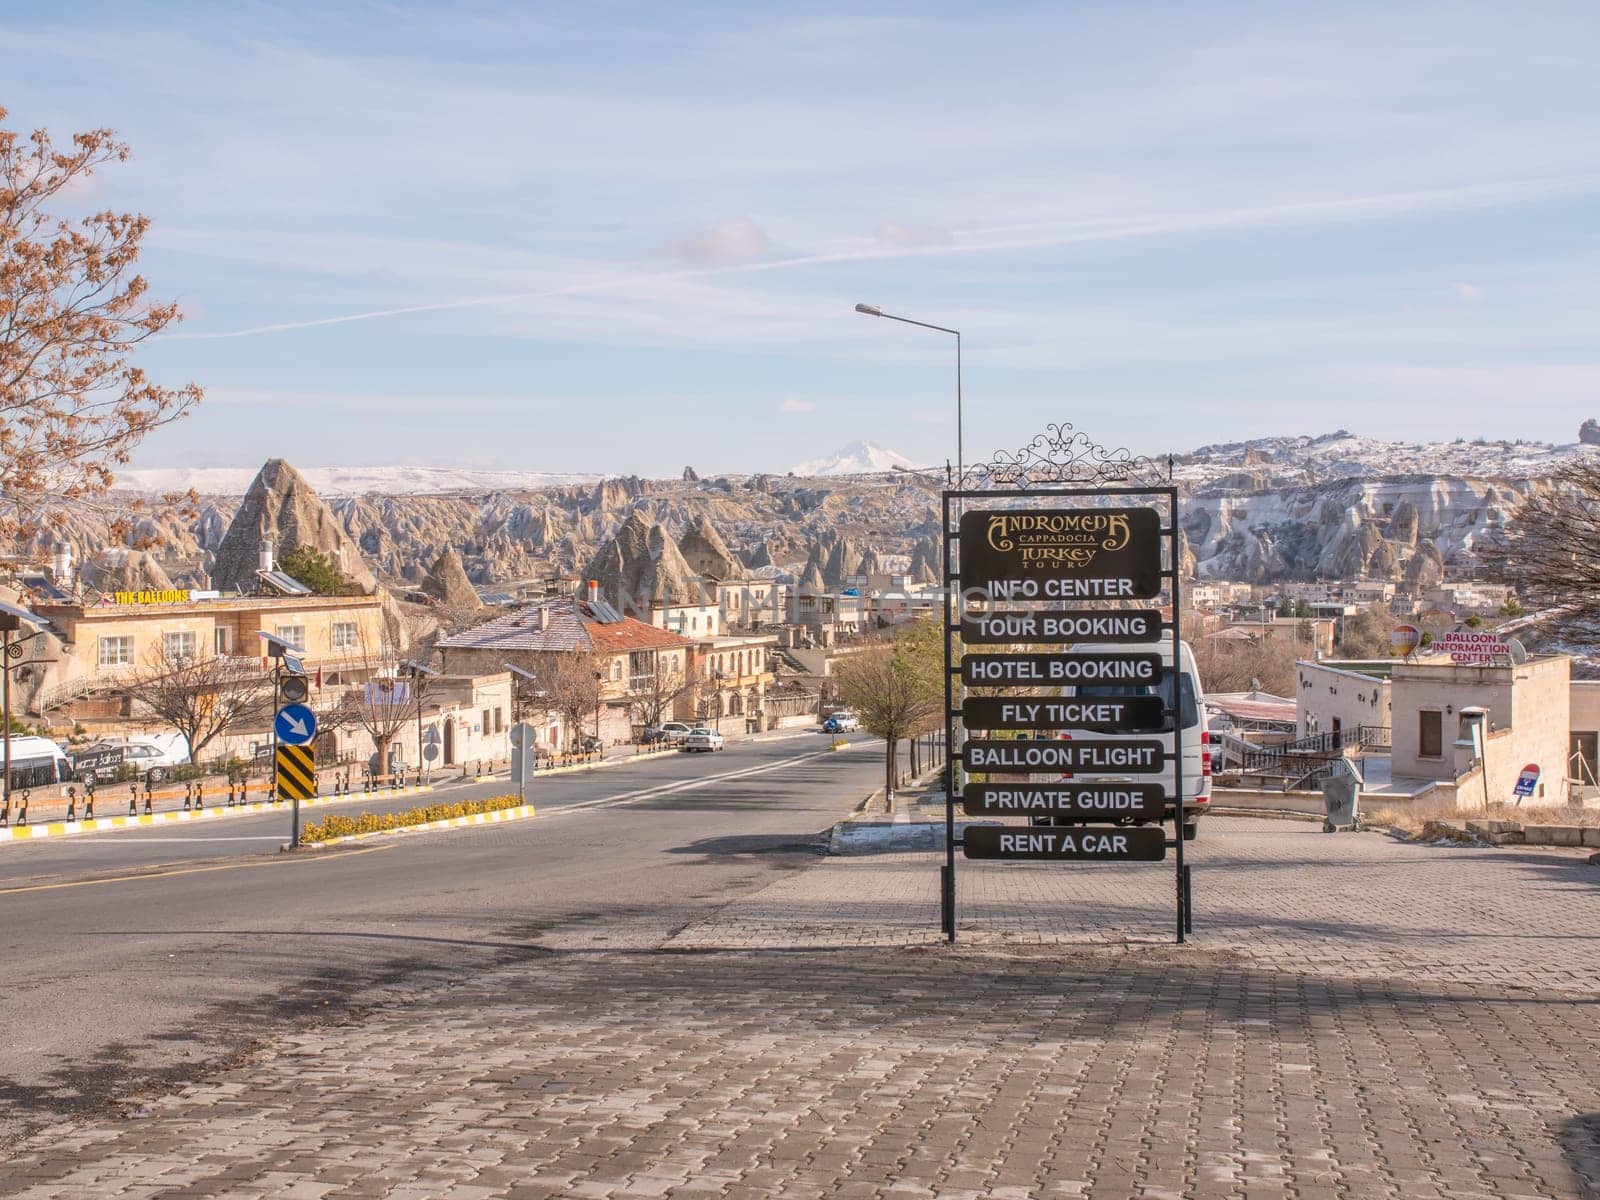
{"points": [[1353, 1020]]}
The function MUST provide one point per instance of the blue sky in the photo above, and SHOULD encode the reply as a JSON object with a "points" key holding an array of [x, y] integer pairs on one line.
{"points": [[625, 237]]}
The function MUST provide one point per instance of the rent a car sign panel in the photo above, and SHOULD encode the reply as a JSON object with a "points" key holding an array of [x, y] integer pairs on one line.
{"points": [[1062, 554]]}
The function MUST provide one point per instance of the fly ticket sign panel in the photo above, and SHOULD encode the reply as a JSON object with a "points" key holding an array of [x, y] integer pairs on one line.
{"points": [[1027, 567]]}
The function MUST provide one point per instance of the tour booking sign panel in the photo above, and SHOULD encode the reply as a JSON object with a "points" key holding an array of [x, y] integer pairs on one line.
{"points": [[1062, 554]]}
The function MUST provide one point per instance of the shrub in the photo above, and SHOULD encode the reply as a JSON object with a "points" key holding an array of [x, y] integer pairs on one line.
{"points": [[335, 826]]}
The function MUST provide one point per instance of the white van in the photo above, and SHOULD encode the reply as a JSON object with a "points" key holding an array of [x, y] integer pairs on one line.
{"points": [[1191, 715], [37, 762]]}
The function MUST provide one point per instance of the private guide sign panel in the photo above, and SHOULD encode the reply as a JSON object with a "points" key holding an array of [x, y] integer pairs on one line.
{"points": [[1062, 554]]}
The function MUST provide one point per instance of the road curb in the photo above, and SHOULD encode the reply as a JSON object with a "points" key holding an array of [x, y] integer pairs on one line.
{"points": [[593, 766], [25, 833], [520, 813]]}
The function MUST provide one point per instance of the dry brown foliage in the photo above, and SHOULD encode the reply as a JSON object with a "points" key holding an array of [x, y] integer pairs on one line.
{"points": [[72, 309], [1550, 551]]}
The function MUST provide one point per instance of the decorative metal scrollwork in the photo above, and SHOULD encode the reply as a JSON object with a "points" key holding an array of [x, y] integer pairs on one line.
{"points": [[14, 651], [1062, 456]]}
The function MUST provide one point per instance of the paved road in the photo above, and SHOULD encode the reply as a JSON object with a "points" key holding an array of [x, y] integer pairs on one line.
{"points": [[803, 1065], [140, 955]]}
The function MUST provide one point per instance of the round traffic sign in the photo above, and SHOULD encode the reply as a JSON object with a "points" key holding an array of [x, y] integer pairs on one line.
{"points": [[295, 725], [430, 751], [292, 689]]}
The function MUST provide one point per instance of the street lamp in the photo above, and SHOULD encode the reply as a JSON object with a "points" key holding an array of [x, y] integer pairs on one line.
{"points": [[11, 622], [872, 310], [419, 681]]}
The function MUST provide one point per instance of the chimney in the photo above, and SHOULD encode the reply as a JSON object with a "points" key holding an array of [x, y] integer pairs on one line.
{"points": [[544, 617], [266, 562], [61, 564], [594, 590]]}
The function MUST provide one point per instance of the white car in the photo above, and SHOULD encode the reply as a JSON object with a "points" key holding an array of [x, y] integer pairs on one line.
{"points": [[675, 731], [703, 739], [843, 721], [151, 760]]}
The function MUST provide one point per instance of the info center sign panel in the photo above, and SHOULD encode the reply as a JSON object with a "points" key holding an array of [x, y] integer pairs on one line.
{"points": [[1062, 554]]}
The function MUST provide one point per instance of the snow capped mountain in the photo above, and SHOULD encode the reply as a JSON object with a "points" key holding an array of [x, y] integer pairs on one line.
{"points": [[858, 458], [348, 481], [1344, 455]]}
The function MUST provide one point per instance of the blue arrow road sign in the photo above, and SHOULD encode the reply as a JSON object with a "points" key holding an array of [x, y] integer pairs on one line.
{"points": [[296, 724]]}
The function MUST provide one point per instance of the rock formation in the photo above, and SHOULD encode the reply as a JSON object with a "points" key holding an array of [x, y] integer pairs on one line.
{"points": [[639, 564], [282, 507], [447, 583], [124, 571], [705, 551]]}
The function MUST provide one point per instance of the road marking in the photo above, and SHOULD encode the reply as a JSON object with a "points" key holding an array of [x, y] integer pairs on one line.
{"points": [[186, 841], [685, 785], [243, 866]]}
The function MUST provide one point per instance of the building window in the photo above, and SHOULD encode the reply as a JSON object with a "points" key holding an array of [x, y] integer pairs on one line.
{"points": [[224, 640], [295, 635], [499, 720], [345, 635], [1430, 734], [116, 651], [179, 646]]}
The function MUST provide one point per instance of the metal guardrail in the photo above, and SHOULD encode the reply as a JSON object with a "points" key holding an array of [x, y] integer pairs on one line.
{"points": [[1289, 759]]}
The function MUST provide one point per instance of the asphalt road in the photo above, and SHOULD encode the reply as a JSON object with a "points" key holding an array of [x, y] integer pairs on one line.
{"points": [[135, 958]]}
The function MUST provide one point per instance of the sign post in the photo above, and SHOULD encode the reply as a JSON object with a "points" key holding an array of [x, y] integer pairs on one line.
{"points": [[524, 756], [1057, 548]]}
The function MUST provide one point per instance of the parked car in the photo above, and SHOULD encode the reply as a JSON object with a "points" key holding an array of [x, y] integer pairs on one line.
{"points": [[675, 731], [1190, 705], [703, 738], [151, 760], [591, 745], [843, 721]]}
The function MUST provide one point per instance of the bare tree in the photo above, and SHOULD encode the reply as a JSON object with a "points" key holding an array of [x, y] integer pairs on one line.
{"points": [[72, 308], [384, 702], [201, 697], [1550, 552], [571, 683], [896, 688], [1247, 664], [651, 699]]}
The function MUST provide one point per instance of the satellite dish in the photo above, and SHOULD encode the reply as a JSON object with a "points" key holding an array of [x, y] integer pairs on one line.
{"points": [[1519, 652]]}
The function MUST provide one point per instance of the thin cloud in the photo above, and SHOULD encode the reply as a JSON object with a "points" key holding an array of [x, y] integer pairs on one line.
{"points": [[999, 239], [793, 404], [729, 242]]}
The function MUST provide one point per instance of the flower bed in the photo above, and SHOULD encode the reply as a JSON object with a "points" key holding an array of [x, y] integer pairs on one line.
{"points": [[335, 826]]}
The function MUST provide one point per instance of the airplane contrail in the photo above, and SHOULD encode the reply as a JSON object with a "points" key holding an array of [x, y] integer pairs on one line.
{"points": [[1353, 208]]}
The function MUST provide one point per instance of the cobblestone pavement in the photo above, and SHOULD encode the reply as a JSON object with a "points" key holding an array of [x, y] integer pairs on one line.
{"points": [[991, 1070], [1280, 893]]}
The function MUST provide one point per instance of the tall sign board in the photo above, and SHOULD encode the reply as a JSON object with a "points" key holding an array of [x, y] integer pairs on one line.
{"points": [[1059, 562]]}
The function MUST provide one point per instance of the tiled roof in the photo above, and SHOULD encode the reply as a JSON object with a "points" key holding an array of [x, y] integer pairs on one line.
{"points": [[569, 627]]}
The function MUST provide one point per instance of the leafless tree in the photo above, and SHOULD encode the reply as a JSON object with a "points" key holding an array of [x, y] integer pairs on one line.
{"points": [[1550, 552], [651, 699], [1247, 664], [384, 701], [201, 697], [571, 683]]}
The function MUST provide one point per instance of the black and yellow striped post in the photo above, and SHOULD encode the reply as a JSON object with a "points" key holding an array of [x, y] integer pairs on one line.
{"points": [[296, 778]]}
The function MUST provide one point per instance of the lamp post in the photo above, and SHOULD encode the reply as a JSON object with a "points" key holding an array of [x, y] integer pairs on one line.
{"points": [[872, 310], [419, 675]]}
